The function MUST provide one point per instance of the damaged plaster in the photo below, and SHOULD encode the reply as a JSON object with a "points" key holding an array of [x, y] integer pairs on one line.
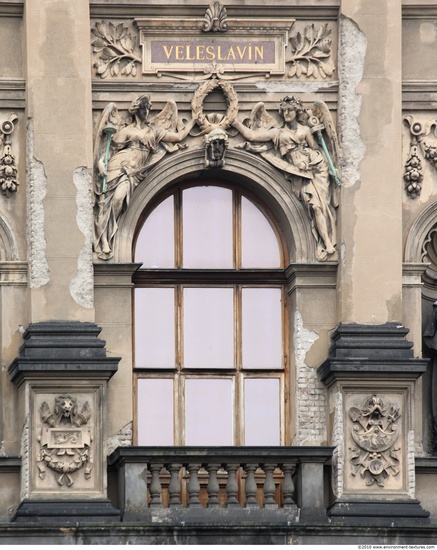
{"points": [[39, 273], [310, 393], [81, 286], [351, 56], [122, 438]]}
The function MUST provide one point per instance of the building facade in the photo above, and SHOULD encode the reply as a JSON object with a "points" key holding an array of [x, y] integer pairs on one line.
{"points": [[218, 271]]}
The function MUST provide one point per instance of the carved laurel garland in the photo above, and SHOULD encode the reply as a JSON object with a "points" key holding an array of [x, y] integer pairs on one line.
{"points": [[209, 122], [311, 53]]}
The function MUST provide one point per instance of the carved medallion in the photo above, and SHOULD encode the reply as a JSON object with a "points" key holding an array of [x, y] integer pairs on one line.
{"points": [[375, 431], [65, 441]]}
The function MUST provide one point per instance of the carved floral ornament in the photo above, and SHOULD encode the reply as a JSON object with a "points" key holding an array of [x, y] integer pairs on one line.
{"points": [[8, 168], [375, 431], [419, 149], [303, 146], [304, 54], [65, 441]]}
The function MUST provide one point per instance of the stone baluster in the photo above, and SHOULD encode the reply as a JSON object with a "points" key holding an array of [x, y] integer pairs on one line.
{"points": [[213, 485], [288, 485], [174, 487], [251, 486], [193, 486], [269, 486], [155, 485], [232, 486]]}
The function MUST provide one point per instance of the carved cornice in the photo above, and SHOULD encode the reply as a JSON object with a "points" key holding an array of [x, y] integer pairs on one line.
{"points": [[313, 10], [11, 8]]}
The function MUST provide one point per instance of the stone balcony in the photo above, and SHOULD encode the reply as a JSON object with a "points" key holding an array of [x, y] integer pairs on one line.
{"points": [[223, 485]]}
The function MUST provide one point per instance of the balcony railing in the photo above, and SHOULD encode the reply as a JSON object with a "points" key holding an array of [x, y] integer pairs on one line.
{"points": [[280, 485]]}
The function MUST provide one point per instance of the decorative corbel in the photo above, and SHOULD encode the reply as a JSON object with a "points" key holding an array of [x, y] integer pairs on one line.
{"points": [[8, 169]]}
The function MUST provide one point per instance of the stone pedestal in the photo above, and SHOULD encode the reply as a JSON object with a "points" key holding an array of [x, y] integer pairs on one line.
{"points": [[62, 374], [371, 375]]}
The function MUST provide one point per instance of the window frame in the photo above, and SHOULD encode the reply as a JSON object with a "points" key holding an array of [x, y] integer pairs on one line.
{"points": [[237, 278]]}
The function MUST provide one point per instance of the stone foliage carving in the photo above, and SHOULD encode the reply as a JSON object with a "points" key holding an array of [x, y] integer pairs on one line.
{"points": [[291, 147], [124, 151], [311, 53], [215, 18], [65, 444], [413, 175], [8, 169], [375, 432], [115, 47]]}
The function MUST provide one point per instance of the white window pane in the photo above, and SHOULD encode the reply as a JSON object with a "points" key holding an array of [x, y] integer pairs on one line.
{"points": [[259, 244], [155, 411], [155, 243], [262, 328], [208, 327], [154, 327], [261, 411], [208, 412], [207, 228]]}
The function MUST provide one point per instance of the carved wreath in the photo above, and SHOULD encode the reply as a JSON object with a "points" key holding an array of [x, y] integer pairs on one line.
{"points": [[214, 120]]}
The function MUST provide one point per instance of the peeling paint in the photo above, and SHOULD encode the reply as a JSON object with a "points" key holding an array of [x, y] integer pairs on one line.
{"points": [[351, 56], [294, 87], [39, 273], [123, 438], [82, 285]]}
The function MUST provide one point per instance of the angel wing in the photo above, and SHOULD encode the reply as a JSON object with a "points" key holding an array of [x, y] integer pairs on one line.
{"points": [[260, 118], [167, 118], [321, 111], [110, 118]]}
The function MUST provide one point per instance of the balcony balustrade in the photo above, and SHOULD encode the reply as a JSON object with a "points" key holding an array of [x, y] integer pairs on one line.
{"points": [[183, 485]]}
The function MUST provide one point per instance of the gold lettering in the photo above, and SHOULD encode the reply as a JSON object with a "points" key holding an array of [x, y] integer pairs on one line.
{"points": [[168, 50], [231, 53], [200, 52], [210, 54], [259, 52], [188, 58], [241, 52], [179, 54], [250, 52], [219, 54]]}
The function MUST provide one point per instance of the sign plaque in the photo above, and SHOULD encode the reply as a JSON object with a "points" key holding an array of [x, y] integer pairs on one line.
{"points": [[249, 46]]}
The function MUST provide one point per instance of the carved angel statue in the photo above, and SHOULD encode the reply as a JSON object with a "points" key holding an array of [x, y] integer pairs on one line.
{"points": [[291, 147], [124, 151]]}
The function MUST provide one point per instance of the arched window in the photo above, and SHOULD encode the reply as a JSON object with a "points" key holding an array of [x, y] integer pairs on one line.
{"points": [[211, 340]]}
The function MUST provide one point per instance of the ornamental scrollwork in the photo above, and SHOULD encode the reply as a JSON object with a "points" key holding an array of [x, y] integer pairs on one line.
{"points": [[8, 168], [311, 53], [375, 431], [65, 441], [115, 47]]}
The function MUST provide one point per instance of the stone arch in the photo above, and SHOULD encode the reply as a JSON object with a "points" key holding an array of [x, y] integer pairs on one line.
{"points": [[245, 169], [8, 243], [419, 234]]}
